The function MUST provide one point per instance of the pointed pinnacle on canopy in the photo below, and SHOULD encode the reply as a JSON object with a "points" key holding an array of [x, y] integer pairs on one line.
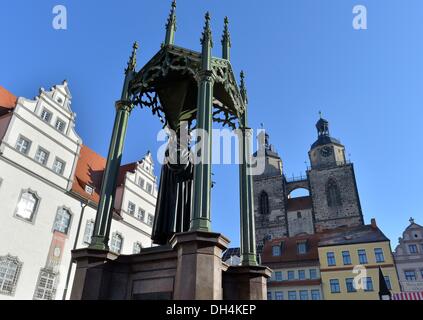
{"points": [[242, 87], [226, 40], [171, 25], [132, 63], [207, 34]]}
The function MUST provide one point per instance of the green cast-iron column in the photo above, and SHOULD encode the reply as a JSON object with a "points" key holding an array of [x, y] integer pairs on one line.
{"points": [[248, 241], [101, 234], [202, 171]]}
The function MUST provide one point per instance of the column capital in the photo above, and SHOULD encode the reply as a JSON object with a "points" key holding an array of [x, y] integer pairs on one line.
{"points": [[205, 75], [124, 105]]}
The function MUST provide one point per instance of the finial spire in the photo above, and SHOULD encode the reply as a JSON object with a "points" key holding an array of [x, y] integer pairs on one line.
{"points": [[207, 44], [207, 34], [171, 25], [226, 40], [411, 220], [320, 114], [132, 63]]}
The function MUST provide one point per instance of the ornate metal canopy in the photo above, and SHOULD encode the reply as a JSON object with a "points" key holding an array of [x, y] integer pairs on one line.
{"points": [[168, 84]]}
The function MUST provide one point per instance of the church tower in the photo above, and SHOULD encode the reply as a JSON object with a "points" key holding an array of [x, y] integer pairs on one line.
{"points": [[333, 186], [269, 198]]}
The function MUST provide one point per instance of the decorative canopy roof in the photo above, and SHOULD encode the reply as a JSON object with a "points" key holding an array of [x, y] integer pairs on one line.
{"points": [[168, 82]]}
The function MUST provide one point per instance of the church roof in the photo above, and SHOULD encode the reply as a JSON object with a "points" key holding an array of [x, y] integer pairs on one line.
{"points": [[300, 203], [322, 140]]}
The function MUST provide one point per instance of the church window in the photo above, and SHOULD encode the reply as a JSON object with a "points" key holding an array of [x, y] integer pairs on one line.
{"points": [[264, 203], [10, 268], [333, 194]]}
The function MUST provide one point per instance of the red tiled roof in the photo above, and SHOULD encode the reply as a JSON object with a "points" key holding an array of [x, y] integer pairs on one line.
{"points": [[7, 100], [289, 252], [300, 203], [89, 171]]}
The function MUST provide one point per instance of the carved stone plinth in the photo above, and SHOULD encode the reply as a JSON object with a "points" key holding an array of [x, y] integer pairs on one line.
{"points": [[246, 283], [199, 266], [92, 274]]}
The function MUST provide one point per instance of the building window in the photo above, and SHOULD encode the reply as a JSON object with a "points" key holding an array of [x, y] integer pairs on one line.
{"points": [[388, 282], [23, 145], [140, 215], [269, 295], [301, 275], [291, 275], [60, 125], [315, 294], [299, 215], [141, 182], [46, 286], [149, 188], [334, 286], [41, 156], [303, 295], [278, 275], [137, 248], [10, 268], [116, 243], [410, 275], [59, 166], [302, 247], [62, 221], [89, 189], [292, 295], [362, 257], [131, 208], [412, 248], [276, 251], [346, 257], [89, 230], [150, 220], [333, 194], [278, 295], [27, 206], [369, 284], [379, 255], [421, 273], [264, 203], [331, 259], [46, 115], [313, 274], [349, 283]]}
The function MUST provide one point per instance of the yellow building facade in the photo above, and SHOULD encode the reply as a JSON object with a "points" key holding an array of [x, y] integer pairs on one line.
{"points": [[350, 271]]}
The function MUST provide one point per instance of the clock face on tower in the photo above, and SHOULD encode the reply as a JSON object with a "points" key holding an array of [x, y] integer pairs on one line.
{"points": [[326, 151]]}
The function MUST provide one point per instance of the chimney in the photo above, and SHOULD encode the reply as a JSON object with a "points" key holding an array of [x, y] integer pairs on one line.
{"points": [[373, 223]]}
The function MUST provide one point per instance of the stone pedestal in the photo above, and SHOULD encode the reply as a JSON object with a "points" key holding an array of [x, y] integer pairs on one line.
{"points": [[199, 267], [92, 275], [246, 283]]}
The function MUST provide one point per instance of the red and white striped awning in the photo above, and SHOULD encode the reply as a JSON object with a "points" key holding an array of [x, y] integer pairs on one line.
{"points": [[408, 296]]}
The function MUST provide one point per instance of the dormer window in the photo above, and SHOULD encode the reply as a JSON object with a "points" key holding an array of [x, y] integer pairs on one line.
{"points": [[276, 250], [46, 115], [89, 189], [302, 247]]}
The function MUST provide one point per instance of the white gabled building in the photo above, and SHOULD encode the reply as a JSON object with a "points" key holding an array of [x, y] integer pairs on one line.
{"points": [[49, 190]]}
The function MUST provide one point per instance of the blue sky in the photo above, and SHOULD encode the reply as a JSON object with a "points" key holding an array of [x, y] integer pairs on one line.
{"points": [[300, 56]]}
